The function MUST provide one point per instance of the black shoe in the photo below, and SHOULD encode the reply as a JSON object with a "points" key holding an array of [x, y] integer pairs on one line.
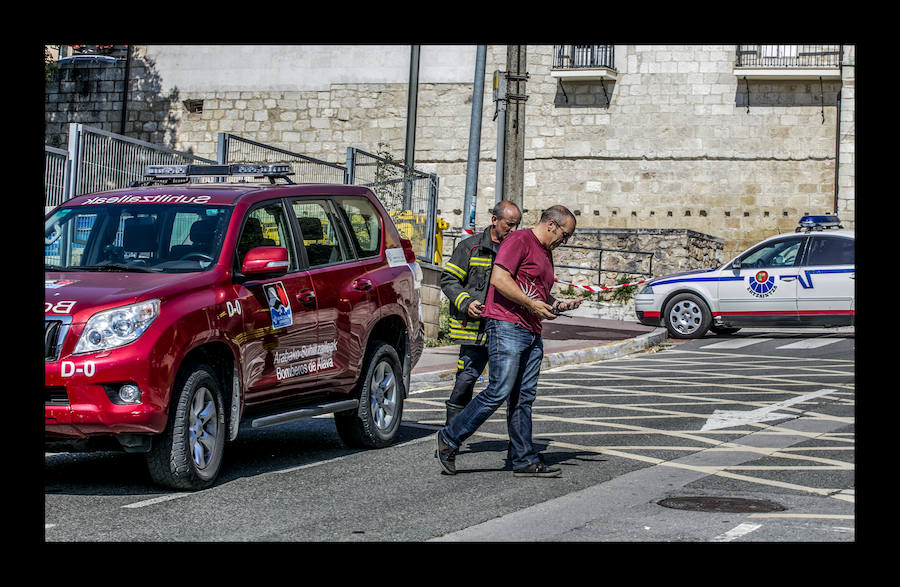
{"points": [[538, 469], [445, 455]]}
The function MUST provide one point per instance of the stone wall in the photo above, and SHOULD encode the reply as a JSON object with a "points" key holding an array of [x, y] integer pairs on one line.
{"points": [[676, 141], [431, 299], [673, 251]]}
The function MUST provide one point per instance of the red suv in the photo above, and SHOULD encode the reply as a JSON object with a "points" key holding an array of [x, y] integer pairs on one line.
{"points": [[178, 314]]}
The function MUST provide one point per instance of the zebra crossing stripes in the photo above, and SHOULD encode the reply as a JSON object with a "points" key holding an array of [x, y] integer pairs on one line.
{"points": [[810, 343], [736, 343]]}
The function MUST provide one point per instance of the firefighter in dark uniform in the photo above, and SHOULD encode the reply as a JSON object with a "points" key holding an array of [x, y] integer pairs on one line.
{"points": [[465, 282]]}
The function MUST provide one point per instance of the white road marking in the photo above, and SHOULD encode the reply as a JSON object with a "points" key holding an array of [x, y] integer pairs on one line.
{"points": [[810, 343], [728, 418], [737, 532], [156, 500], [807, 516], [735, 343]]}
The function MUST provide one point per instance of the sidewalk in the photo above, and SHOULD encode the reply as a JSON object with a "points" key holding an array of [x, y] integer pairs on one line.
{"points": [[568, 340]]}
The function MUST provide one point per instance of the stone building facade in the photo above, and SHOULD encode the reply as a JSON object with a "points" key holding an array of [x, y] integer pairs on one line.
{"points": [[674, 140]]}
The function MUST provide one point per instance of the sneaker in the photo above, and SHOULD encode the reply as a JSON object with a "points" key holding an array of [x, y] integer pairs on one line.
{"points": [[538, 469], [446, 455]]}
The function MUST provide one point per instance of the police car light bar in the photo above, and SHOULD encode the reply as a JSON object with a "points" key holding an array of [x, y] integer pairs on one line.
{"points": [[819, 222], [240, 169]]}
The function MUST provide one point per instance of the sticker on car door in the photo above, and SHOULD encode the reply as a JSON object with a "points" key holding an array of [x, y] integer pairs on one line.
{"points": [[279, 304]]}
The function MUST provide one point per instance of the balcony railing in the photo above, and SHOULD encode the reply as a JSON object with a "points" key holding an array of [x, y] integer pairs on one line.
{"points": [[788, 56], [583, 57]]}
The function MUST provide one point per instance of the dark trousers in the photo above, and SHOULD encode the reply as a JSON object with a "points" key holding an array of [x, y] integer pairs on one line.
{"points": [[472, 361]]}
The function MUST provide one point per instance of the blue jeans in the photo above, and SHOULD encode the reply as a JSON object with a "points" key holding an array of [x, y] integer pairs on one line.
{"points": [[515, 359]]}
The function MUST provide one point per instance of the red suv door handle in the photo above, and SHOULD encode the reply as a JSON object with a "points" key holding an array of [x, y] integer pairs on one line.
{"points": [[307, 297], [362, 284]]}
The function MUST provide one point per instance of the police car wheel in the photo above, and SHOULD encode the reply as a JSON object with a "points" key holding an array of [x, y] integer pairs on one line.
{"points": [[687, 316], [375, 423]]}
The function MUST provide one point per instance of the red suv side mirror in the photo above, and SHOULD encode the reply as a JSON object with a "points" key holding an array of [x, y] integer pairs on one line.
{"points": [[265, 260]]}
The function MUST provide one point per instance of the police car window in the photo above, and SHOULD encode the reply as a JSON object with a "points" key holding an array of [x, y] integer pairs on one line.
{"points": [[320, 232], [781, 253], [266, 226], [830, 251]]}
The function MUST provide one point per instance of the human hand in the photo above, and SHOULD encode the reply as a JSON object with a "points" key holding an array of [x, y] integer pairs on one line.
{"points": [[569, 304], [474, 309], [542, 309]]}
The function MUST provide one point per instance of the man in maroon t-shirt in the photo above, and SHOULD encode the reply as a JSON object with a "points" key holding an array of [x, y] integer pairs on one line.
{"points": [[518, 299]]}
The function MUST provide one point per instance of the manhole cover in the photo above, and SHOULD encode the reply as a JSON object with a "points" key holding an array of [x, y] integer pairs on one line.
{"points": [[721, 504]]}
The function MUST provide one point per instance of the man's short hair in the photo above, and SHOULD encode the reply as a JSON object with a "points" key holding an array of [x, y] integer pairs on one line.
{"points": [[504, 206], [557, 214]]}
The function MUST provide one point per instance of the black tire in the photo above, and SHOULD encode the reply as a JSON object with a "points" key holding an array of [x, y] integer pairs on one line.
{"points": [[188, 455], [687, 316], [724, 329], [374, 424]]}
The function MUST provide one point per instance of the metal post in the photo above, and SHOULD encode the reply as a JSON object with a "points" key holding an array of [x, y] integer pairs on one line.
{"points": [[471, 193], [222, 148], [73, 162], [412, 101], [125, 90], [500, 99], [350, 172], [431, 227]]}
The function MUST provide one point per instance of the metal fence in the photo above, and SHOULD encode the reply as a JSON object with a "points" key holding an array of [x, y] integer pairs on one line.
{"points": [[99, 160], [55, 175], [583, 56], [788, 55], [235, 149], [410, 196]]}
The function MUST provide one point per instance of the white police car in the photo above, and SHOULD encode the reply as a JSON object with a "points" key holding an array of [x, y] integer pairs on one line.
{"points": [[800, 279]]}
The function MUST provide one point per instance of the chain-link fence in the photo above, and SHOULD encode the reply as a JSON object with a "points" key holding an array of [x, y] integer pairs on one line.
{"points": [[410, 197]]}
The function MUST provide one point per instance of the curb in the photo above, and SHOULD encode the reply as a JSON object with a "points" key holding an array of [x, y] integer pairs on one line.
{"points": [[422, 381]]}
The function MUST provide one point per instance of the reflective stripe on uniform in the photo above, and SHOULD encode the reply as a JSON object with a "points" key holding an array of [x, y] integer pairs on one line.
{"points": [[463, 334], [459, 324], [480, 261], [459, 299], [457, 272]]}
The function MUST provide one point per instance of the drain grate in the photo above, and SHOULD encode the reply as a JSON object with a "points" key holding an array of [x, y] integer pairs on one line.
{"points": [[721, 504]]}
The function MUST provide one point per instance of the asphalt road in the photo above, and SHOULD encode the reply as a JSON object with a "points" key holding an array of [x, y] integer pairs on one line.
{"points": [[628, 434]]}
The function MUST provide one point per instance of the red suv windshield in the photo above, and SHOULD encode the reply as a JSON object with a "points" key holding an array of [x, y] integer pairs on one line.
{"points": [[153, 238]]}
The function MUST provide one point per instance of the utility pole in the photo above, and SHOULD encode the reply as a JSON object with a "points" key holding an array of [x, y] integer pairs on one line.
{"points": [[510, 97], [471, 193]]}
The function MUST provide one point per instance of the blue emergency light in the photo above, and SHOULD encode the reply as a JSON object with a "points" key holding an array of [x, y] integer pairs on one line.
{"points": [[183, 172], [819, 222]]}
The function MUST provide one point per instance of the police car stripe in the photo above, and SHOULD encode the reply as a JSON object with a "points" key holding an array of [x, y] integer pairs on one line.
{"points": [[696, 279], [781, 313], [808, 282]]}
